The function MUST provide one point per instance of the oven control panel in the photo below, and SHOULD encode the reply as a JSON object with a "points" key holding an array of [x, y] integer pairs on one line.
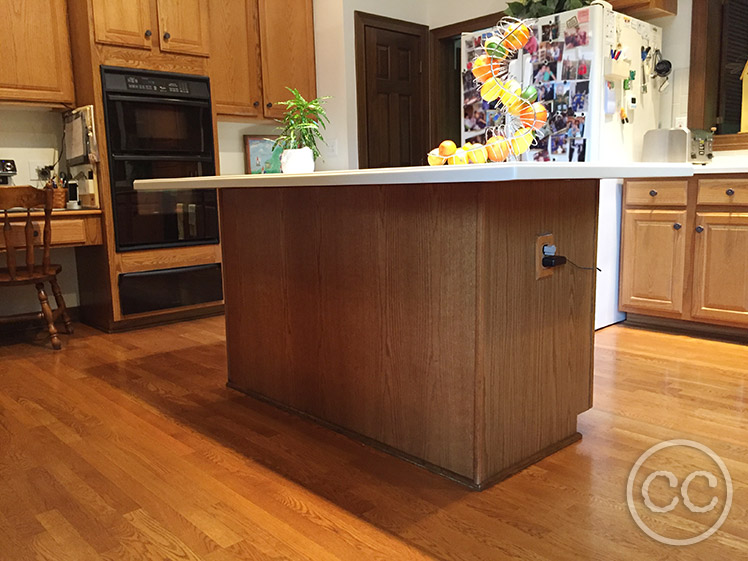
{"points": [[155, 84]]}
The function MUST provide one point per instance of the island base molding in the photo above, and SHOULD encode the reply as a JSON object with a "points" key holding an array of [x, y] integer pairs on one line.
{"points": [[456, 477], [410, 316], [688, 327]]}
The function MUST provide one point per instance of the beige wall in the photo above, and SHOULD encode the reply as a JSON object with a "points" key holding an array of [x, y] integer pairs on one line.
{"points": [[32, 137]]}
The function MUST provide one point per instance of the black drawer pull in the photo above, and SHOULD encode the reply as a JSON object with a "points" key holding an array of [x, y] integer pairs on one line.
{"points": [[699, 229], [730, 192], [677, 226], [167, 36], [653, 193], [148, 33]]}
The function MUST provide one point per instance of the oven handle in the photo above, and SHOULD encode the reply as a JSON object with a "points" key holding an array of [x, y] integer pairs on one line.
{"points": [[150, 99]]}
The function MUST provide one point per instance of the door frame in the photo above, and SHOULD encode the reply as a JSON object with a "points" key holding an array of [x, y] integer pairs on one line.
{"points": [[441, 39], [363, 20]]}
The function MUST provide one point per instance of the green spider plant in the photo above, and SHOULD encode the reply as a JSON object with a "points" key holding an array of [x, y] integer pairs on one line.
{"points": [[302, 122], [539, 8]]}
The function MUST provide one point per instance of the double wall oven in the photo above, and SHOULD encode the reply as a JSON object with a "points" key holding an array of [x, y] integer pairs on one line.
{"points": [[159, 125]]}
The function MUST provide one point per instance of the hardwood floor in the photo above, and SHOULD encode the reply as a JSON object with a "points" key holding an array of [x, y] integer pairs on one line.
{"points": [[128, 446]]}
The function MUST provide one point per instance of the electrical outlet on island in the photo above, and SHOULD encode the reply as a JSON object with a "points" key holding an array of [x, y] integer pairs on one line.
{"points": [[540, 242]]}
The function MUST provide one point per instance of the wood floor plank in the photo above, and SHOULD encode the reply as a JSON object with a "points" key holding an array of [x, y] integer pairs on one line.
{"points": [[130, 447], [66, 536]]}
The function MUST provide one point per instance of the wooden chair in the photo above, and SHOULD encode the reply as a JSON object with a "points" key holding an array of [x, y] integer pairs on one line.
{"points": [[28, 197]]}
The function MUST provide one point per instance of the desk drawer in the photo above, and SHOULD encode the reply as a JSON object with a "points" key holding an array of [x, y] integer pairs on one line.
{"points": [[64, 232], [728, 192], [656, 193]]}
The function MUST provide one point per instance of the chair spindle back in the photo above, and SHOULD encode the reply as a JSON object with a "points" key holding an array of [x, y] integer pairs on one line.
{"points": [[27, 197]]}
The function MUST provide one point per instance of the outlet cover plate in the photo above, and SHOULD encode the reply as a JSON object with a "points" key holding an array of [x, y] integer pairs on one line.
{"points": [[540, 271]]}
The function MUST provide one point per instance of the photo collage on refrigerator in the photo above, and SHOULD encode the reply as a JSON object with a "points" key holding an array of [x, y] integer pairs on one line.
{"points": [[477, 114], [561, 59]]}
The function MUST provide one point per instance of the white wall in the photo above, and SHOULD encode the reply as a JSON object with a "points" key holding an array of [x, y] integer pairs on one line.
{"points": [[32, 137], [335, 57], [446, 12], [676, 47], [334, 34]]}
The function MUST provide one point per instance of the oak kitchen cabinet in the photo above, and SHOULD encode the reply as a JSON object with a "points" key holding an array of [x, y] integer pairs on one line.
{"points": [[685, 249], [114, 33], [35, 46], [174, 26], [720, 280], [646, 9], [258, 47], [653, 274]]}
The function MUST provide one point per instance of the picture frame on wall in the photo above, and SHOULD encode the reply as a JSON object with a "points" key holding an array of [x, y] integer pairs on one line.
{"points": [[259, 155]]}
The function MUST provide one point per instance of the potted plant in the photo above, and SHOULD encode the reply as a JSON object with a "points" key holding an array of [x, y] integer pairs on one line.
{"points": [[302, 123], [539, 8]]}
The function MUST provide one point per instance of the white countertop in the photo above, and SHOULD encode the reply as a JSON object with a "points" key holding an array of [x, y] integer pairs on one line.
{"points": [[715, 168], [516, 171]]}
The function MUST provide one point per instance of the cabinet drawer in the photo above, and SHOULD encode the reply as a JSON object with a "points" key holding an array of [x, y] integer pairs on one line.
{"points": [[723, 192], [656, 193], [64, 232]]}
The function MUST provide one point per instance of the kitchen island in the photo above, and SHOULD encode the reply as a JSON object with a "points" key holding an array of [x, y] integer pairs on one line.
{"points": [[409, 308]]}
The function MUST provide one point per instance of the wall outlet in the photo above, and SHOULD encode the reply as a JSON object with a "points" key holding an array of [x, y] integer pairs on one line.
{"points": [[37, 171], [540, 271]]}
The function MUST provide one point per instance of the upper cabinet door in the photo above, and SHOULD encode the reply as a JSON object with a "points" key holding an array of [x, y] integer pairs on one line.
{"points": [[720, 277], [184, 26], [235, 58], [126, 23], [35, 47], [287, 46]]}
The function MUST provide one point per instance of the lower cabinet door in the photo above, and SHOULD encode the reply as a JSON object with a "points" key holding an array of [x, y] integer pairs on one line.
{"points": [[720, 280], [653, 261]]}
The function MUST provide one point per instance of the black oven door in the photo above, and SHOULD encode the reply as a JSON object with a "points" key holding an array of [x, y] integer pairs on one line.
{"points": [[155, 219], [140, 124]]}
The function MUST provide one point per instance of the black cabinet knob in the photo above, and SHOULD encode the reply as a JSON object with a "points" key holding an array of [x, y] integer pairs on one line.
{"points": [[699, 229], [148, 33], [653, 193], [677, 226], [269, 105], [167, 36], [730, 192], [256, 104]]}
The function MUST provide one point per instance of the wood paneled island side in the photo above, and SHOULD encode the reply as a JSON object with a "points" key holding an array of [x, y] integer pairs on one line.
{"points": [[410, 314]]}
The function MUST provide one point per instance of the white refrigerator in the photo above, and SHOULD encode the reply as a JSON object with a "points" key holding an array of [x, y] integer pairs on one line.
{"points": [[592, 69]]}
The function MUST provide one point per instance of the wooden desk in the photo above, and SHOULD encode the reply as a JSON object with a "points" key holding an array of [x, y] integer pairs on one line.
{"points": [[70, 228]]}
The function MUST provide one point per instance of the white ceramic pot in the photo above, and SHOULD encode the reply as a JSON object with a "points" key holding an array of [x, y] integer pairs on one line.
{"points": [[298, 160]]}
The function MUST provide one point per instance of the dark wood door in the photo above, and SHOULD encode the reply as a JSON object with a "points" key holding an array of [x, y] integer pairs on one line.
{"points": [[392, 92]]}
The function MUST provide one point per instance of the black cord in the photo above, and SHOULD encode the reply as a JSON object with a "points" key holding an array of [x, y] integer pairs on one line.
{"points": [[584, 268], [59, 156]]}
